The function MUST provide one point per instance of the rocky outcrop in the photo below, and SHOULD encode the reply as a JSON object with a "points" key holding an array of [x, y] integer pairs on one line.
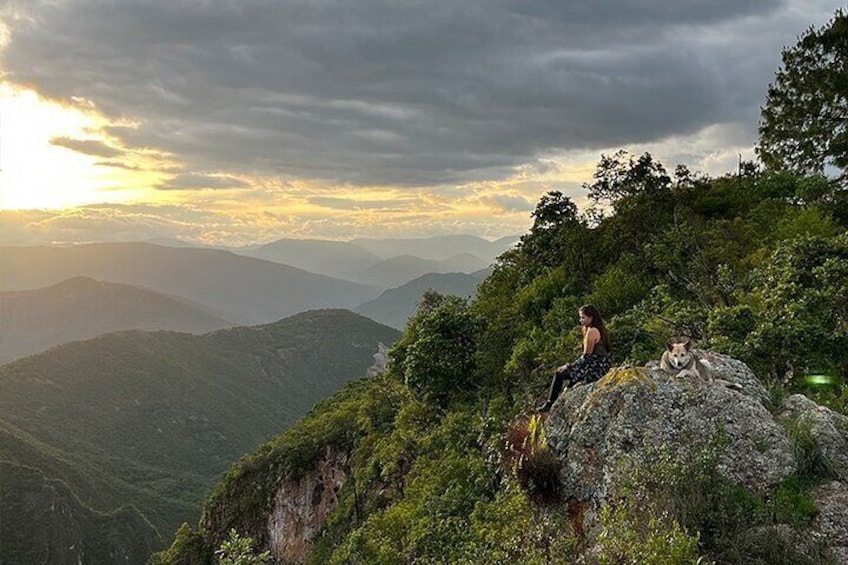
{"points": [[828, 431], [301, 506], [622, 422]]}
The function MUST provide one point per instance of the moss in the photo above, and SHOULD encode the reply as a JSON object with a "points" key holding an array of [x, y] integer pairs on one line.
{"points": [[625, 376]]}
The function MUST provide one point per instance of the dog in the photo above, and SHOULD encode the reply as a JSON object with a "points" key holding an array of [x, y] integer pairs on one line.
{"points": [[678, 357]]}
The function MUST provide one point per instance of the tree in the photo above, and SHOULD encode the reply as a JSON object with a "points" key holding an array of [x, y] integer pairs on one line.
{"points": [[436, 355], [558, 237], [803, 124], [623, 178], [803, 318]]}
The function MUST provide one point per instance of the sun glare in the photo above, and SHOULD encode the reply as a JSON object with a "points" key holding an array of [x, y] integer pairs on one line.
{"points": [[38, 174]]}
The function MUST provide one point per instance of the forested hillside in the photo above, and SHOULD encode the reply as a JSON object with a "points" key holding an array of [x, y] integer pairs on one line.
{"points": [[753, 265], [150, 419], [83, 308]]}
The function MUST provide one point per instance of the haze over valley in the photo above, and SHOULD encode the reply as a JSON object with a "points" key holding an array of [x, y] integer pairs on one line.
{"points": [[297, 273]]}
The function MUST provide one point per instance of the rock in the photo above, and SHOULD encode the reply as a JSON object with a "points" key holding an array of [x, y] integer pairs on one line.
{"points": [[829, 430], [622, 421], [301, 507], [831, 524]]}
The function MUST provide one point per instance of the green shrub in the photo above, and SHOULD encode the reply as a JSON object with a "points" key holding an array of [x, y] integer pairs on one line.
{"points": [[630, 536], [437, 353], [238, 550]]}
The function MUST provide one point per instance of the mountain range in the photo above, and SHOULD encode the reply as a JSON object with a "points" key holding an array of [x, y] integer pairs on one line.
{"points": [[139, 425], [384, 263], [395, 306], [241, 289], [82, 308], [438, 248]]}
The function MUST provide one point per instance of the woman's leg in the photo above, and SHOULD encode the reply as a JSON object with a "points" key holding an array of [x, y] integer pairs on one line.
{"points": [[560, 376]]}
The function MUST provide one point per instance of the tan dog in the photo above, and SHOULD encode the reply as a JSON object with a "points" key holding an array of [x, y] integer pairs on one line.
{"points": [[678, 357]]}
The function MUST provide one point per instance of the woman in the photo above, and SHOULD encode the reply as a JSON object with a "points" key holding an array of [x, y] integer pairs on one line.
{"points": [[589, 367]]}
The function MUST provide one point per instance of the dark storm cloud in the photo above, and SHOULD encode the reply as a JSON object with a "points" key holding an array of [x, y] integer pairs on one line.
{"points": [[398, 92], [86, 146]]}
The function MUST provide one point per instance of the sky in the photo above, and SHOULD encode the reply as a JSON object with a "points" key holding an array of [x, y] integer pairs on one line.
{"points": [[233, 123]]}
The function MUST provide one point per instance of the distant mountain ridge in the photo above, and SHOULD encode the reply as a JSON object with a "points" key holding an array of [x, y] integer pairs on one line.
{"points": [[395, 306], [81, 308], [438, 248], [402, 269], [385, 263], [248, 290], [332, 258], [151, 418]]}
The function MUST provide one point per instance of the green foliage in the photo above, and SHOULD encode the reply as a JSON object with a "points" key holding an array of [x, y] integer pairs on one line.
{"points": [[803, 125], [751, 265], [187, 549], [687, 495], [243, 498], [437, 353], [238, 550], [441, 488], [631, 537], [510, 529], [803, 318], [812, 466]]}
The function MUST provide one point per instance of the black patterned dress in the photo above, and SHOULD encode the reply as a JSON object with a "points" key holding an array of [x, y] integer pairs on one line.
{"points": [[588, 368]]}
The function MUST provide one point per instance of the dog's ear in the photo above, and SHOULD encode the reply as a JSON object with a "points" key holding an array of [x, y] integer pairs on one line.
{"points": [[687, 343], [669, 345]]}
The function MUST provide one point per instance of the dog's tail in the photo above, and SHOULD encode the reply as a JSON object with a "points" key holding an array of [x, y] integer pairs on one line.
{"points": [[728, 384]]}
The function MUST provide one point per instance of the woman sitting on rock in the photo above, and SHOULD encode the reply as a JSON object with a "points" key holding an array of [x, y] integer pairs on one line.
{"points": [[589, 367]]}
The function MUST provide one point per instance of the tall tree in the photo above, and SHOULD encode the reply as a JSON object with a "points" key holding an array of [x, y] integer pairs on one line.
{"points": [[804, 124]]}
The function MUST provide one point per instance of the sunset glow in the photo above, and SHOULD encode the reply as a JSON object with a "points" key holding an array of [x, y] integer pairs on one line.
{"points": [[39, 173]]}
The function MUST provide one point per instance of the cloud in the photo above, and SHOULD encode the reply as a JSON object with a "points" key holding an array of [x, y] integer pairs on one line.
{"points": [[511, 202], [87, 147], [407, 93], [119, 165], [357, 204], [202, 182]]}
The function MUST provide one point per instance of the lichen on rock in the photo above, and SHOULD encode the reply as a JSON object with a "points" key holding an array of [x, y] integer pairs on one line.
{"points": [[604, 429]]}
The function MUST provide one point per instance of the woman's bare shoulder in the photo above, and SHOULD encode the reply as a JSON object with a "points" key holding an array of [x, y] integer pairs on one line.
{"points": [[593, 333]]}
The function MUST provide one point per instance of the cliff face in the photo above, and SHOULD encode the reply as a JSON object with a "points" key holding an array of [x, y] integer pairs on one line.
{"points": [[636, 416], [301, 506], [297, 498]]}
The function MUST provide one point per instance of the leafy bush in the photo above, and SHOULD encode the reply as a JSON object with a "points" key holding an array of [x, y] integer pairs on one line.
{"points": [[238, 550], [731, 523], [437, 353]]}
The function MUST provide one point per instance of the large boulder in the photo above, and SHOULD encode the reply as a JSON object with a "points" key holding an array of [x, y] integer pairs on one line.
{"points": [[827, 429], [602, 431]]}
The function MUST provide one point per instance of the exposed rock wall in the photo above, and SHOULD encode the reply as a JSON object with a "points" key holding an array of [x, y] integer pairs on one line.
{"points": [[301, 506]]}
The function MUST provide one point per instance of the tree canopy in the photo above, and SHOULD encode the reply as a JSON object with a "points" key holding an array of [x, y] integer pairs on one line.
{"points": [[804, 123]]}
